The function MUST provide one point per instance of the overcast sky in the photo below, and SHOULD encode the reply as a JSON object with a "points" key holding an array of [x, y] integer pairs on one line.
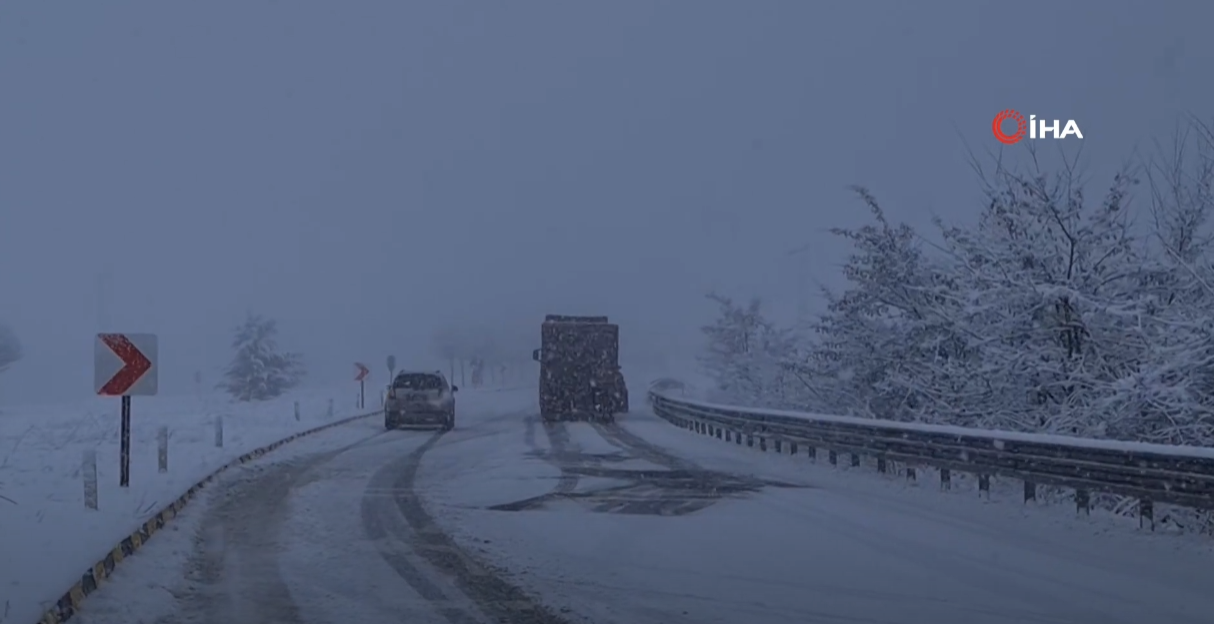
{"points": [[368, 172]]}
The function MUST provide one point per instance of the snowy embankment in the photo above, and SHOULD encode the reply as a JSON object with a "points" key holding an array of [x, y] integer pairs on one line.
{"points": [[48, 537]]}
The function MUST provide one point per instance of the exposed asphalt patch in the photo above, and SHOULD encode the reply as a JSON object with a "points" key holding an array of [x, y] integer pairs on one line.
{"points": [[681, 488]]}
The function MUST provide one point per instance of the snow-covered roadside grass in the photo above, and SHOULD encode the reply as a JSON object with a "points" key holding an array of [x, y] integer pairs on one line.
{"points": [[48, 537], [144, 586], [1004, 509]]}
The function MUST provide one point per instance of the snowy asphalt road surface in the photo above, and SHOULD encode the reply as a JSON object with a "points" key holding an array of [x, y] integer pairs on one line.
{"points": [[508, 520]]}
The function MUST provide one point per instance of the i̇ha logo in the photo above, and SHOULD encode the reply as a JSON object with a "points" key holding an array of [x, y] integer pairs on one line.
{"points": [[1035, 128]]}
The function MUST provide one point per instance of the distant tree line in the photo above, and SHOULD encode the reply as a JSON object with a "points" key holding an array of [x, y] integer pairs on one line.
{"points": [[475, 356], [259, 370]]}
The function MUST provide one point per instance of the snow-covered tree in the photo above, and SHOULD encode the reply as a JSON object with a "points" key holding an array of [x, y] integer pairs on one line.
{"points": [[746, 353], [1050, 311], [890, 341], [259, 371], [10, 347]]}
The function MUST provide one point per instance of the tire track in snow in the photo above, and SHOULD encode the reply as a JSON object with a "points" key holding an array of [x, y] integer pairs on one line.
{"points": [[639, 447], [234, 568], [561, 454], [416, 531]]}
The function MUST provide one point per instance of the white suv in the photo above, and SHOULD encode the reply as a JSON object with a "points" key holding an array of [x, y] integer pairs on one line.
{"points": [[417, 398]]}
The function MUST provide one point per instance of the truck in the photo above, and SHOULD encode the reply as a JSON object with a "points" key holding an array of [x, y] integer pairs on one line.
{"points": [[580, 376]]}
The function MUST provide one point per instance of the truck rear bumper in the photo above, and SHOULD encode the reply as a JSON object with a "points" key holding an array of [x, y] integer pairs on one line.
{"points": [[577, 416]]}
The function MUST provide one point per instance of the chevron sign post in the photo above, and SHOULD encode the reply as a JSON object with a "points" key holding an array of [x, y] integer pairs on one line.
{"points": [[125, 365], [361, 378]]}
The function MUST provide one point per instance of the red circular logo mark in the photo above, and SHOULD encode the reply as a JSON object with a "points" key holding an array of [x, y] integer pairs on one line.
{"points": [[1021, 127]]}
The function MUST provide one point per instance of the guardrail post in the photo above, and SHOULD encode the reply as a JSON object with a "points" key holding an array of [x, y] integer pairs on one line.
{"points": [[737, 436], [162, 449], [881, 465], [720, 433], [1146, 512], [750, 440], [911, 475], [984, 485], [1083, 502], [762, 444], [946, 479], [778, 445], [1030, 491], [219, 432], [855, 460], [812, 452], [792, 448], [89, 470], [834, 458]]}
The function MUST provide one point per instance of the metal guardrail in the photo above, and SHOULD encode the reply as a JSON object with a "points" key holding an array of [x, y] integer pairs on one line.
{"points": [[1179, 475]]}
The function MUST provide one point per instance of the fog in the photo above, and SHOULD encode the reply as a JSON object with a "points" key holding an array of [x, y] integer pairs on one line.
{"points": [[371, 172]]}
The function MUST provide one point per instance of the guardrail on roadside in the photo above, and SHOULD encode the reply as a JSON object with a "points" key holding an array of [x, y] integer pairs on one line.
{"points": [[1152, 473]]}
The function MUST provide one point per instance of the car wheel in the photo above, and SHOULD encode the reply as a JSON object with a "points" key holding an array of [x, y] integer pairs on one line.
{"points": [[449, 423]]}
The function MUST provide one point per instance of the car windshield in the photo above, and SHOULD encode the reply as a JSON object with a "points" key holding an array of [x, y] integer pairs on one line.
{"points": [[418, 382]]}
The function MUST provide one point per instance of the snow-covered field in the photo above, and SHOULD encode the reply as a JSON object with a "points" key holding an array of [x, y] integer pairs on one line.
{"points": [[47, 536]]}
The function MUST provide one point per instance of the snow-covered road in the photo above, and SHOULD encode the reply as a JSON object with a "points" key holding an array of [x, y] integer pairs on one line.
{"points": [[508, 520]]}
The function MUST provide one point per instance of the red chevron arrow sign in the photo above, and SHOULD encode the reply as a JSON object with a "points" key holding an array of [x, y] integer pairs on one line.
{"points": [[363, 371], [125, 365]]}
